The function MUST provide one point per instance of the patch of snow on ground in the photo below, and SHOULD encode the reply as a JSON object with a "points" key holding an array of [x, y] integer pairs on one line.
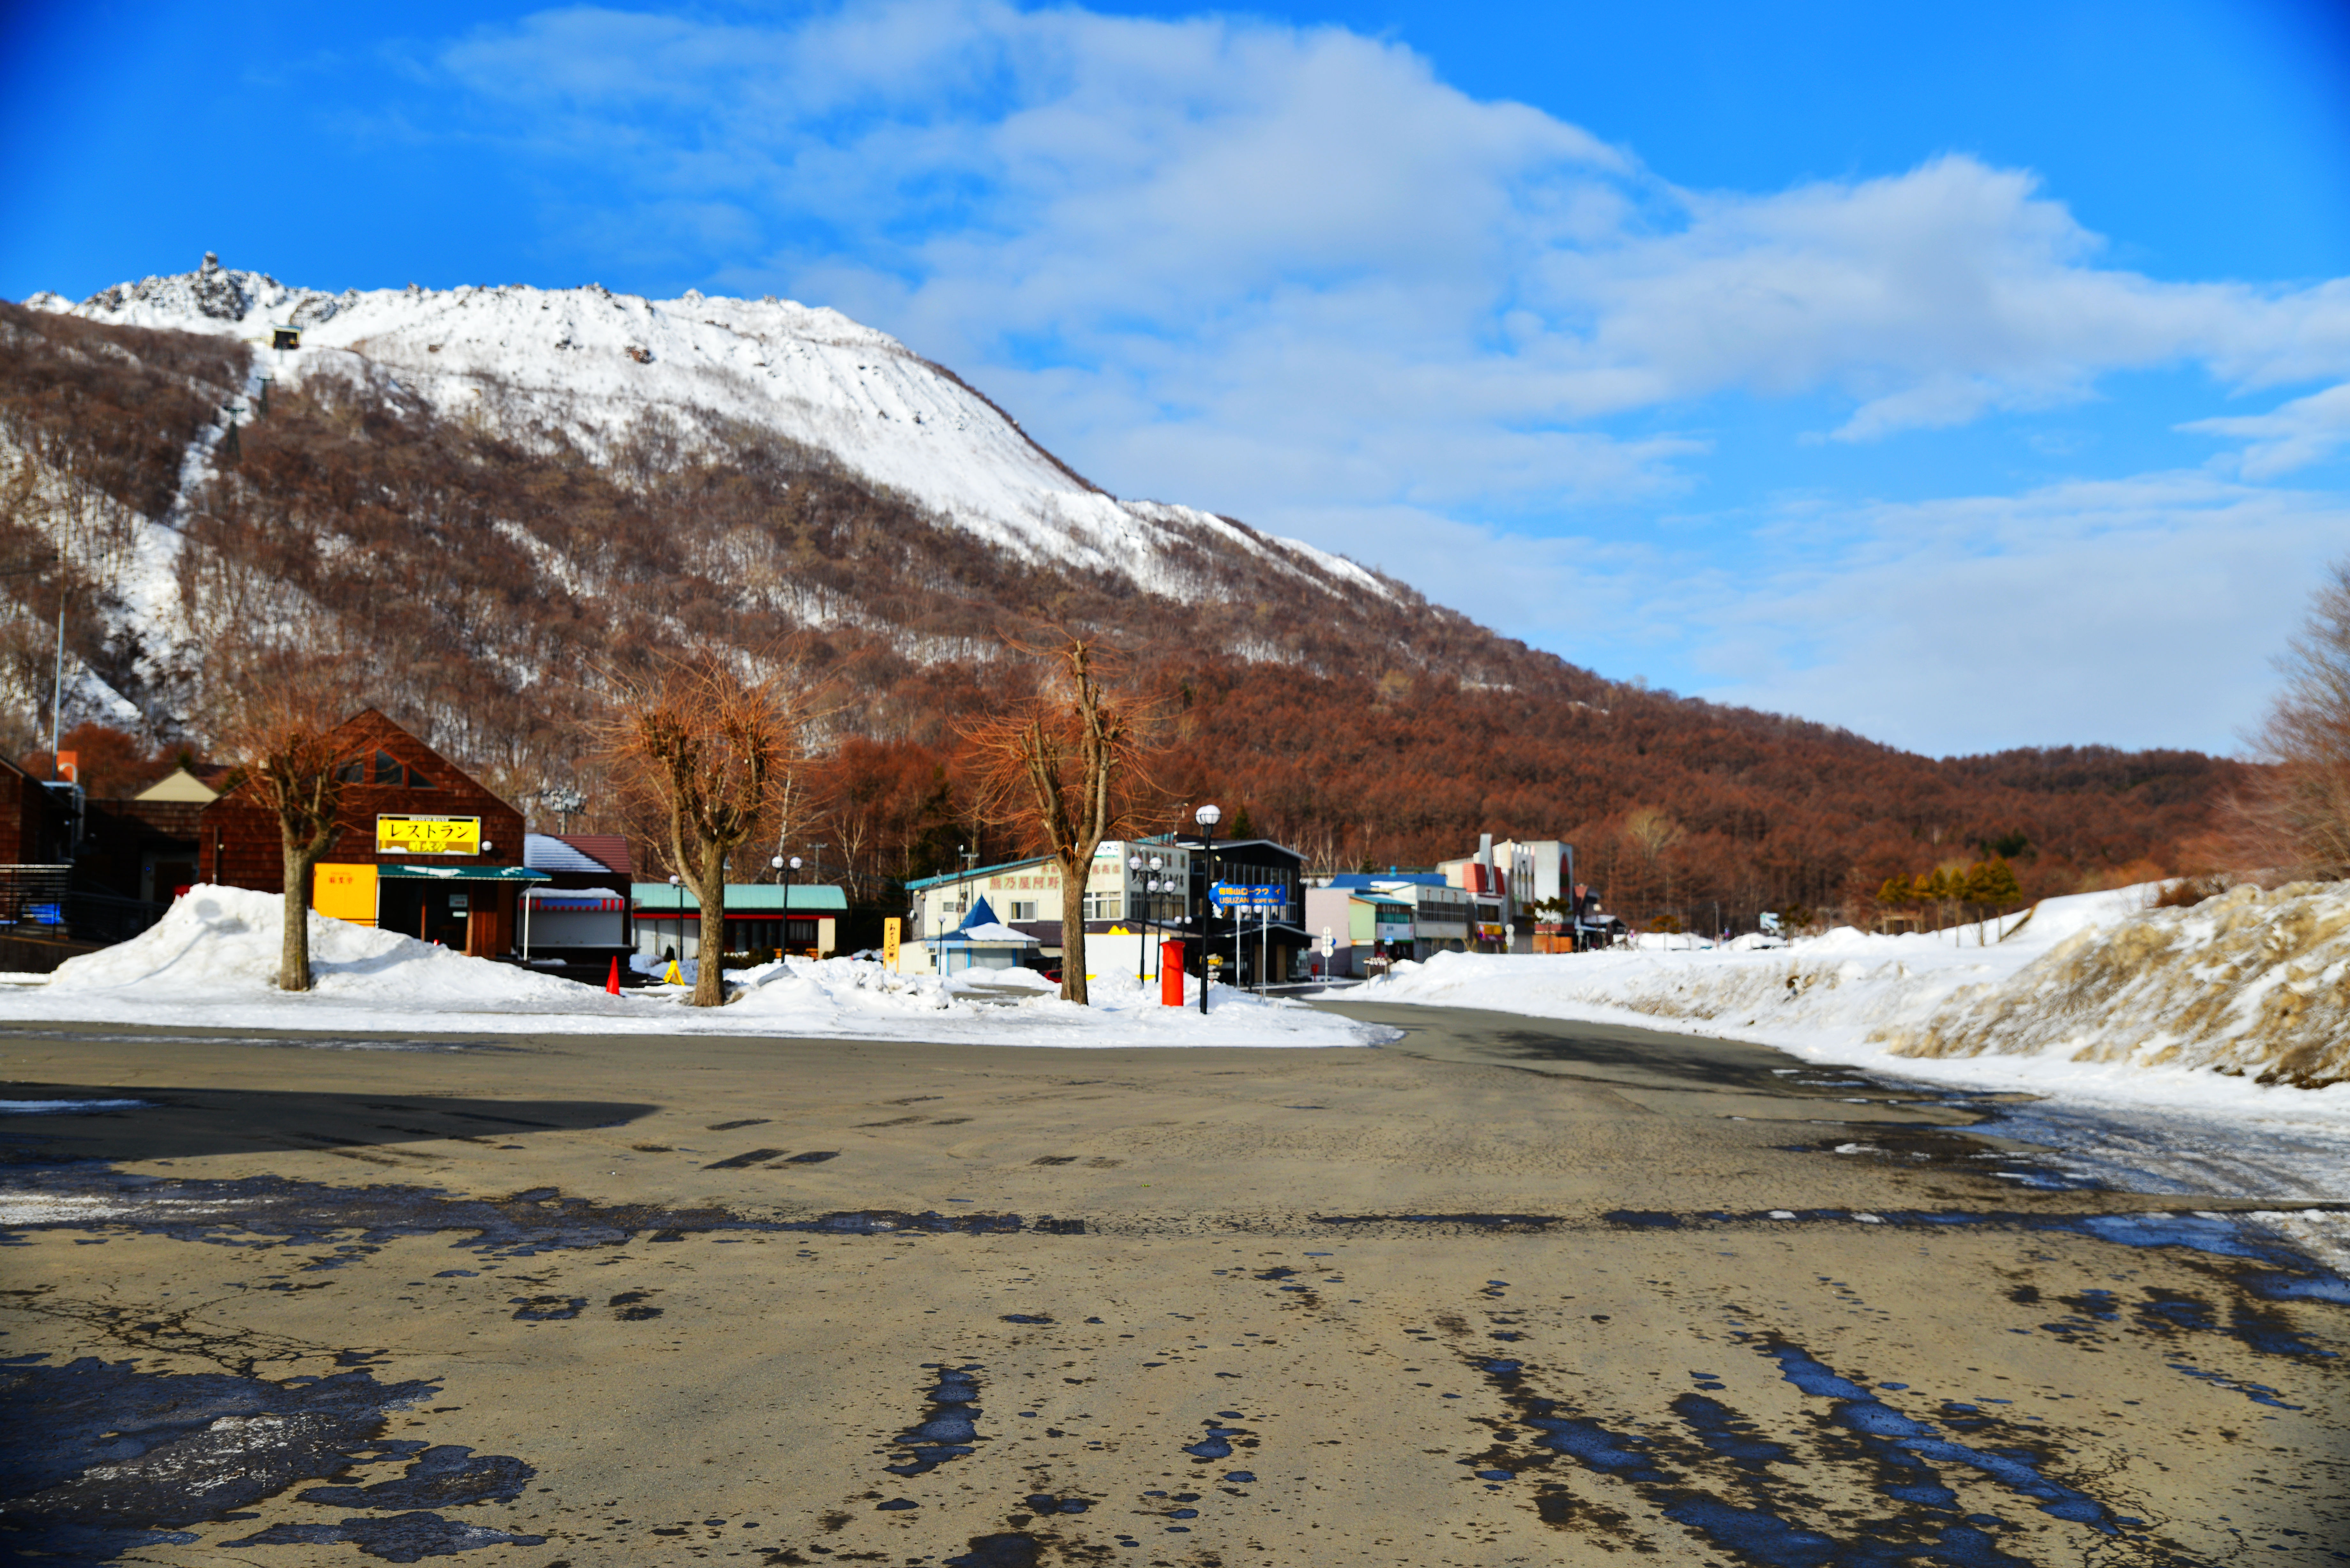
{"points": [[211, 962]]}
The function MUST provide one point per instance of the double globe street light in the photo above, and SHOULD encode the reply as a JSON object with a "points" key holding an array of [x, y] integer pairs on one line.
{"points": [[779, 863], [1133, 863]]}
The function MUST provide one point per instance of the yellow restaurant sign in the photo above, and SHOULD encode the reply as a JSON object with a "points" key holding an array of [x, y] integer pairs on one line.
{"points": [[428, 836]]}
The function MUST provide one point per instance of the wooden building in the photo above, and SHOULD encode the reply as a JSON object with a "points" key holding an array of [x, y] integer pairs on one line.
{"points": [[420, 847]]}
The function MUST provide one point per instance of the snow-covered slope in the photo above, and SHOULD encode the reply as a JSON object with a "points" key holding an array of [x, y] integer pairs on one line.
{"points": [[594, 363]]}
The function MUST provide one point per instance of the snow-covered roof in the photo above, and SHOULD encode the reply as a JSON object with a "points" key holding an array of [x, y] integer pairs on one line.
{"points": [[993, 931], [547, 897], [545, 852]]}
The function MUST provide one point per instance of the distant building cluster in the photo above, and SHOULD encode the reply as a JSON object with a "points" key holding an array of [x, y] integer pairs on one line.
{"points": [[1144, 894]]}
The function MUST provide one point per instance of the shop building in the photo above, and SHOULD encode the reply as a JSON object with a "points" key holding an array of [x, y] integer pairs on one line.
{"points": [[763, 919], [1365, 926], [580, 913], [419, 847]]}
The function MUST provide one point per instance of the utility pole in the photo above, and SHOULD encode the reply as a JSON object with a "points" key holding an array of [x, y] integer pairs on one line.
{"points": [[57, 690]]}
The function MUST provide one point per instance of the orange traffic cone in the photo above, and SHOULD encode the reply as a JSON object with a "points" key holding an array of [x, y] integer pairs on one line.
{"points": [[612, 981]]}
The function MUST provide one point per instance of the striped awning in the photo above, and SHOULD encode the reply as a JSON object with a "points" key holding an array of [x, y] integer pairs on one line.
{"points": [[464, 873]]}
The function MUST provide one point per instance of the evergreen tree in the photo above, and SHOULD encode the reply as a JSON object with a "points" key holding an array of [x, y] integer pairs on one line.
{"points": [[1993, 883]]}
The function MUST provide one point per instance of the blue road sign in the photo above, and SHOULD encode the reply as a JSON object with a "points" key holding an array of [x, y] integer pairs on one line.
{"points": [[1270, 901]]}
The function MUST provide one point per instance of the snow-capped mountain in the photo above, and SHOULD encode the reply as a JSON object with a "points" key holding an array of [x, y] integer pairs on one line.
{"points": [[477, 508], [594, 363]]}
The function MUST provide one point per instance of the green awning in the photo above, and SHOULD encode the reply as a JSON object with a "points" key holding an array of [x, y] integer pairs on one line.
{"points": [[465, 873]]}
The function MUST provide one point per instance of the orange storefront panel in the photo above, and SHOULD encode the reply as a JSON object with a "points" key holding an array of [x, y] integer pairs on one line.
{"points": [[345, 892]]}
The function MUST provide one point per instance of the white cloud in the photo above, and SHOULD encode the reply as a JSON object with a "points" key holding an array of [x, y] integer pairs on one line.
{"points": [[1288, 273], [2295, 435], [1239, 217], [2140, 612]]}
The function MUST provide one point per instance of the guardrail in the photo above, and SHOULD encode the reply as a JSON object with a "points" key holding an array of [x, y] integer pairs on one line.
{"points": [[35, 897]]}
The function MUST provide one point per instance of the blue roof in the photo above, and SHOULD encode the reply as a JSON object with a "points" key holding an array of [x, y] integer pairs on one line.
{"points": [[1367, 878]]}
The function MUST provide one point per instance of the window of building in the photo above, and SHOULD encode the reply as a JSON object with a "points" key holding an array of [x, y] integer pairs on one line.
{"points": [[1104, 906], [1023, 909]]}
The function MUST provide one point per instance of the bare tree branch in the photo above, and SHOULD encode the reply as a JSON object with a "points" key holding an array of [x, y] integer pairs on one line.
{"points": [[710, 749], [1066, 769]]}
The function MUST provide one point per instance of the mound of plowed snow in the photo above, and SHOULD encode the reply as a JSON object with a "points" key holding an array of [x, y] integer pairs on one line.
{"points": [[1848, 984], [2096, 985], [221, 944], [211, 962], [2250, 982]]}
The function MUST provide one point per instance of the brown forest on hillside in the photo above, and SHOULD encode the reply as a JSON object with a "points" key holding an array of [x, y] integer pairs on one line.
{"points": [[483, 581]]}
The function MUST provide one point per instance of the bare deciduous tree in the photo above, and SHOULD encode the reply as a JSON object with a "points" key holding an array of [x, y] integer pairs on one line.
{"points": [[1065, 767], [709, 748], [2297, 818], [1654, 832], [281, 740]]}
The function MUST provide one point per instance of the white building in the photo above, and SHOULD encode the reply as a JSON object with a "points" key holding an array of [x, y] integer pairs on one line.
{"points": [[1026, 895], [1509, 878]]}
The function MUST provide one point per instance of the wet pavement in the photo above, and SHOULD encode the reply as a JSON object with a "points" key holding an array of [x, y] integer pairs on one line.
{"points": [[1505, 1291]]}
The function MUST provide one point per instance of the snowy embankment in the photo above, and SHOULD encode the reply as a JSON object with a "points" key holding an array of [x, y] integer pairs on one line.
{"points": [[211, 963], [2096, 996]]}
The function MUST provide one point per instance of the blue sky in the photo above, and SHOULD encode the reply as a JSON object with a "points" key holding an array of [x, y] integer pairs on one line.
{"points": [[1970, 379]]}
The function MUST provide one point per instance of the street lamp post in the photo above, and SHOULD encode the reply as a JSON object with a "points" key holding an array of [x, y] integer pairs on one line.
{"points": [[677, 895], [783, 870], [1142, 937], [1207, 816], [1150, 909]]}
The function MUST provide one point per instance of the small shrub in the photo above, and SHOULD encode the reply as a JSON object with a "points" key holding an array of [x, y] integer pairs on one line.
{"points": [[2186, 892]]}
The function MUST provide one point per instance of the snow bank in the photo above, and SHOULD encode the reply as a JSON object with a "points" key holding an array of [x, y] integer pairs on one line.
{"points": [[1849, 983], [211, 963], [2251, 982], [1015, 1007], [2128, 1022], [2094, 995], [221, 944]]}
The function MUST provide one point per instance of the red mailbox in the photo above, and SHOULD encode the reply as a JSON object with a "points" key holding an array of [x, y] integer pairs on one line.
{"points": [[1171, 973]]}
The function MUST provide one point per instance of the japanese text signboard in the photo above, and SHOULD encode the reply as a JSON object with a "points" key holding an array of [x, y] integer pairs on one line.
{"points": [[428, 836], [1272, 899]]}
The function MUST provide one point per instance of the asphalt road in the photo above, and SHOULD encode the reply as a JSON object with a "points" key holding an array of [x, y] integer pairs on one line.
{"points": [[1505, 1291]]}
